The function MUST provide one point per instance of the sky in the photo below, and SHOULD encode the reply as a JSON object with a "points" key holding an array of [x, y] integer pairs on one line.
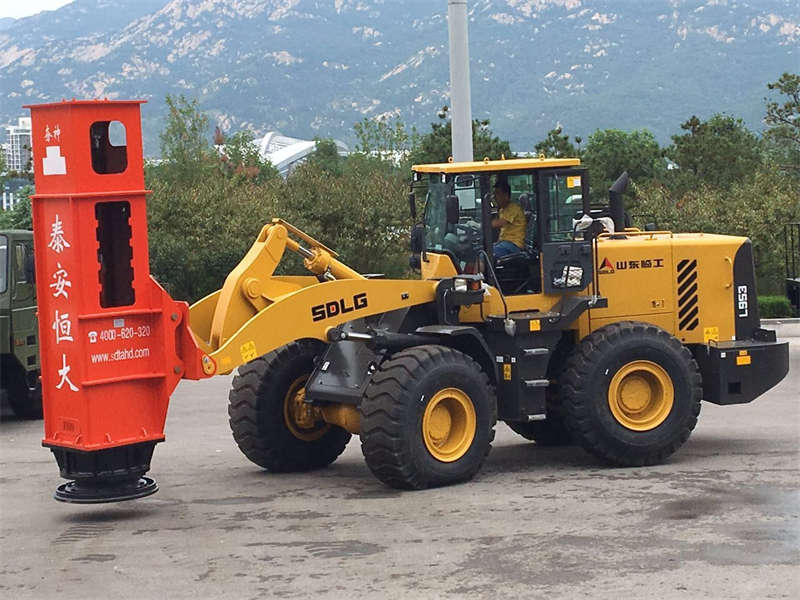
{"points": [[17, 9]]}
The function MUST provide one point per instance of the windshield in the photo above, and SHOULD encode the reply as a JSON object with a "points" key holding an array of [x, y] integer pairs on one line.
{"points": [[463, 239], [3, 263]]}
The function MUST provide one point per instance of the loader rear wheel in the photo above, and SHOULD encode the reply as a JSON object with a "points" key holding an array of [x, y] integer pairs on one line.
{"points": [[427, 418], [271, 423], [631, 394]]}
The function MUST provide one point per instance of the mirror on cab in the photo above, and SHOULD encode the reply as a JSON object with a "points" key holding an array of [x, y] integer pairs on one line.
{"points": [[412, 205], [452, 209]]}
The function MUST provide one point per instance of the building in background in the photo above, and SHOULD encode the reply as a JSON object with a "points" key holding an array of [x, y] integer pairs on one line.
{"points": [[285, 153], [17, 145], [16, 148], [13, 190]]}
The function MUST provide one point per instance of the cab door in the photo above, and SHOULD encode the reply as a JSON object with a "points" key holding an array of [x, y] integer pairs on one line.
{"points": [[567, 260], [24, 327]]}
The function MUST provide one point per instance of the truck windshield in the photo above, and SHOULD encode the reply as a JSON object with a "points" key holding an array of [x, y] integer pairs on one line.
{"points": [[462, 239], [3, 263]]}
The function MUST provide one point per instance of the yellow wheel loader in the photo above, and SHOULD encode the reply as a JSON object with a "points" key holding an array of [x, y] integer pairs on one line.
{"points": [[592, 333], [587, 332]]}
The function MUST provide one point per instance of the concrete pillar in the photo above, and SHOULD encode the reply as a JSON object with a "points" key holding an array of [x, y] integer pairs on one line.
{"points": [[461, 105]]}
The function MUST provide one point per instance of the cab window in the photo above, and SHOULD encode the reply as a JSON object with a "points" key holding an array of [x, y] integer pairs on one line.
{"points": [[565, 203], [521, 185], [20, 259], [463, 240]]}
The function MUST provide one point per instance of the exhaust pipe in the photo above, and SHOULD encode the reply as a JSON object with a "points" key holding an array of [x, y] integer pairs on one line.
{"points": [[616, 204]]}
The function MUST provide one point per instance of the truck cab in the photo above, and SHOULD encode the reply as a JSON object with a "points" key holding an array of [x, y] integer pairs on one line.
{"points": [[19, 343]]}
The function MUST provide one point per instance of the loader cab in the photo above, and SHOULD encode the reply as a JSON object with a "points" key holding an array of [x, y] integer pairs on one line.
{"points": [[456, 236]]}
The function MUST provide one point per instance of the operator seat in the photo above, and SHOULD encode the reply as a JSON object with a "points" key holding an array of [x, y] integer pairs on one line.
{"points": [[519, 273]]}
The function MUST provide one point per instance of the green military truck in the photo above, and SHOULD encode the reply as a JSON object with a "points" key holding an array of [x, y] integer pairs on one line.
{"points": [[19, 334]]}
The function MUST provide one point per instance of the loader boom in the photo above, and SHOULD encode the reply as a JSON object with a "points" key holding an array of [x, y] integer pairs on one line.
{"points": [[250, 315]]}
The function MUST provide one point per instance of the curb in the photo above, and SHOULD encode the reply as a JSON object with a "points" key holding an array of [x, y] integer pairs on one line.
{"points": [[784, 328]]}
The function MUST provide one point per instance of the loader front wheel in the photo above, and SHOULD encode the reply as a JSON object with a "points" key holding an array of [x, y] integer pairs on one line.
{"points": [[427, 418], [271, 423], [631, 394]]}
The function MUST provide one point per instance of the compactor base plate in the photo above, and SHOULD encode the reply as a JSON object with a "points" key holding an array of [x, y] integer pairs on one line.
{"points": [[78, 492]]}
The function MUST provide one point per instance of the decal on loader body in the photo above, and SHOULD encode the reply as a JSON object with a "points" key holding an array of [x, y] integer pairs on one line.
{"points": [[338, 307]]}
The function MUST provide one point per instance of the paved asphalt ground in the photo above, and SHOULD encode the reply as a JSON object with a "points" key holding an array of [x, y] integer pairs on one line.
{"points": [[720, 520]]}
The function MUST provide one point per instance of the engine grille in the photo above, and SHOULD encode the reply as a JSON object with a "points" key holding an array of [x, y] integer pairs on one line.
{"points": [[687, 295]]}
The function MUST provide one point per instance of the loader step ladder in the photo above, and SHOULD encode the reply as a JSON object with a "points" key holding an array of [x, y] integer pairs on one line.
{"points": [[536, 351], [536, 383]]}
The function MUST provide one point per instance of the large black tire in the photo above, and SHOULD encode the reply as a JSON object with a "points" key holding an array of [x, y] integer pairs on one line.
{"points": [[25, 402], [403, 393], [624, 354], [258, 419]]}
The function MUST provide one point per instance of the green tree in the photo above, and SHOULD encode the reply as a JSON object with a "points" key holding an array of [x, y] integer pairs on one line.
{"points": [[240, 157], [558, 145], [361, 213], [782, 136], [201, 229], [609, 152], [326, 157], [185, 148], [436, 145], [384, 138], [719, 152], [19, 217], [785, 116]]}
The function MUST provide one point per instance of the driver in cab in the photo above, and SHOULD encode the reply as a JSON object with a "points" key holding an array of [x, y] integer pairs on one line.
{"points": [[510, 221]]}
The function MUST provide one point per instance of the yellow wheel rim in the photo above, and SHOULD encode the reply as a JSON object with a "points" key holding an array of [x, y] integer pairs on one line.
{"points": [[641, 395], [448, 425], [300, 417]]}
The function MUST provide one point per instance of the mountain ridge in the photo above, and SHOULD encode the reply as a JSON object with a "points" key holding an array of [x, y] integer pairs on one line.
{"points": [[314, 68]]}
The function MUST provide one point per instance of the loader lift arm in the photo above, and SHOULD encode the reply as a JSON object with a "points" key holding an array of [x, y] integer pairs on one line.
{"points": [[256, 312]]}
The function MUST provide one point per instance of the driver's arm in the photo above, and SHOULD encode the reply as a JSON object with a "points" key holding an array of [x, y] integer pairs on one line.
{"points": [[499, 223]]}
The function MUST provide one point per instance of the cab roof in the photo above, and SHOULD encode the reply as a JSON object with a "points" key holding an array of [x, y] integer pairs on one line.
{"points": [[514, 164]]}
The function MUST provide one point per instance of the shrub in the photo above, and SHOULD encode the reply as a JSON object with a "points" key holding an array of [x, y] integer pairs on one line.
{"points": [[774, 307]]}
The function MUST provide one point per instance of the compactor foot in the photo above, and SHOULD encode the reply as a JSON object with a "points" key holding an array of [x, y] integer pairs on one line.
{"points": [[82, 492], [107, 475]]}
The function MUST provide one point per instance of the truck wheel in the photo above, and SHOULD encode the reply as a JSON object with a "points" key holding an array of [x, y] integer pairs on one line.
{"points": [[550, 432], [631, 394], [427, 418], [24, 401], [27, 405], [271, 423]]}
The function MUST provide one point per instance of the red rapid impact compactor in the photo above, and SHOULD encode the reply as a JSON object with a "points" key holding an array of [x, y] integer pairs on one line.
{"points": [[113, 343]]}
